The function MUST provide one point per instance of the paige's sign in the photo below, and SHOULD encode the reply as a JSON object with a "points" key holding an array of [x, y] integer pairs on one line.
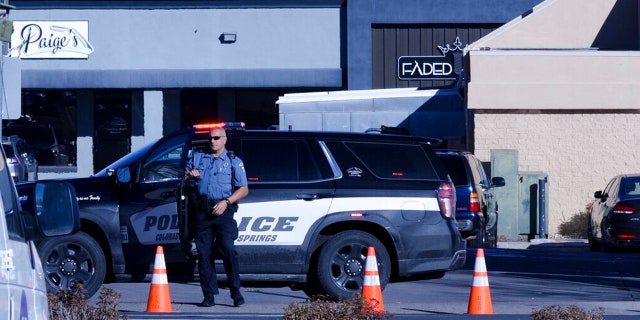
{"points": [[443, 67], [51, 40]]}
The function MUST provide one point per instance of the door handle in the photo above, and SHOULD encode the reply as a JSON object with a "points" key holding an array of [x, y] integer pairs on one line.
{"points": [[308, 197]]}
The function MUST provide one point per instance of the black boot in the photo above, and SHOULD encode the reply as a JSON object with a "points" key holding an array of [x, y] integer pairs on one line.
{"points": [[209, 301], [238, 300]]}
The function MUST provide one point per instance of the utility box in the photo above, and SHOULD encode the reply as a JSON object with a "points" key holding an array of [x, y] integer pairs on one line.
{"points": [[520, 200], [533, 204], [504, 163]]}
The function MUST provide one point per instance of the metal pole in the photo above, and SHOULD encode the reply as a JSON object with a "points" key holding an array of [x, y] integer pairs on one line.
{"points": [[542, 209]]}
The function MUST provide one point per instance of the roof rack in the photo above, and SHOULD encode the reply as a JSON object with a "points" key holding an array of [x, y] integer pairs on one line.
{"points": [[401, 131], [389, 130]]}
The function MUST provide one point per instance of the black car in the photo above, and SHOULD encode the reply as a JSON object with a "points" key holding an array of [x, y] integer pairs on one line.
{"points": [[476, 205], [317, 201], [614, 218]]}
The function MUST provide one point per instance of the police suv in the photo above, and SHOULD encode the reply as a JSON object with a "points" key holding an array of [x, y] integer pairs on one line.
{"points": [[317, 201]]}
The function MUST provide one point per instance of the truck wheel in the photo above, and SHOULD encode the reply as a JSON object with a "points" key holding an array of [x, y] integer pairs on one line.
{"points": [[68, 259], [342, 260], [593, 243], [479, 240], [491, 237]]}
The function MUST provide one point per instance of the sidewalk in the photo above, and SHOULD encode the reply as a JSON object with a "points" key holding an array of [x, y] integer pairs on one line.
{"points": [[544, 243]]}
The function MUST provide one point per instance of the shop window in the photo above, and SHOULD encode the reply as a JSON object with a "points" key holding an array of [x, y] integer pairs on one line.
{"points": [[198, 106], [112, 123], [257, 108], [49, 126]]}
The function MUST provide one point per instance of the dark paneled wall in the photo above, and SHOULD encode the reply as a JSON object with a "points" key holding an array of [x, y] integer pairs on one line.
{"points": [[389, 42]]}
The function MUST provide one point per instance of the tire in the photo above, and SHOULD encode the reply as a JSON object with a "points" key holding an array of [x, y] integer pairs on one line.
{"points": [[479, 240], [68, 259], [342, 260], [491, 237], [593, 243], [604, 246]]}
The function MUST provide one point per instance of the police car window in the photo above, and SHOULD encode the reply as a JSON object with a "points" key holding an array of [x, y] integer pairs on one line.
{"points": [[279, 161], [164, 162], [9, 202], [394, 161]]}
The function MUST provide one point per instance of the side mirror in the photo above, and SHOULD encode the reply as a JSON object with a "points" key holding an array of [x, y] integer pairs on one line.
{"points": [[123, 175], [498, 181], [597, 194], [50, 210]]}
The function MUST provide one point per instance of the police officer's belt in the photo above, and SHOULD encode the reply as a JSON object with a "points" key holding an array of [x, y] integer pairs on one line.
{"points": [[204, 203]]}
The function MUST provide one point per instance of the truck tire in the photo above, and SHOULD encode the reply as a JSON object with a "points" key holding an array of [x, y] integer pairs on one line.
{"points": [[491, 237], [479, 240], [342, 260], [68, 259], [594, 245]]}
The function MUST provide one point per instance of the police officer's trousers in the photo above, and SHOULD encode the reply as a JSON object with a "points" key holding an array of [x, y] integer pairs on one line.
{"points": [[217, 235]]}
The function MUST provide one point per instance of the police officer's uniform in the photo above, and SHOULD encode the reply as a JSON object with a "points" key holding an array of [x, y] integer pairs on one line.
{"points": [[218, 178]]}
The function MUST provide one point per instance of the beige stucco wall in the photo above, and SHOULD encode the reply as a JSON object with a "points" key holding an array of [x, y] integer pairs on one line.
{"points": [[554, 79], [565, 24], [579, 150], [539, 85]]}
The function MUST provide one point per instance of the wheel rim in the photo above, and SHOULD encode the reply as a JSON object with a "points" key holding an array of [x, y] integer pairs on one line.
{"points": [[347, 266], [67, 263]]}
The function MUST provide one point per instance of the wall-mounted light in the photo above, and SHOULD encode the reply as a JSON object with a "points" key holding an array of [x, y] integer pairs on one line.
{"points": [[228, 37], [6, 7]]}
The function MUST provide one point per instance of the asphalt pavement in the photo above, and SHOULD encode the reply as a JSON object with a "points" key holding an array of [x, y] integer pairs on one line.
{"points": [[275, 300]]}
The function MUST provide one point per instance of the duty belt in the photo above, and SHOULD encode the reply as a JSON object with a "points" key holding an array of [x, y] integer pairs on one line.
{"points": [[204, 203]]}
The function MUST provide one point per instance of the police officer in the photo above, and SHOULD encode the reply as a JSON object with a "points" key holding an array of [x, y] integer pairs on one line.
{"points": [[222, 182]]}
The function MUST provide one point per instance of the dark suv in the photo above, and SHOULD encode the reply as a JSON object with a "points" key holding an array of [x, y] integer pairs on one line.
{"points": [[22, 164], [476, 206], [42, 141], [317, 201]]}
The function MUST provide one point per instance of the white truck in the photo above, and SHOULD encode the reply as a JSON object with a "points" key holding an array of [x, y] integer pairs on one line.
{"points": [[49, 209]]}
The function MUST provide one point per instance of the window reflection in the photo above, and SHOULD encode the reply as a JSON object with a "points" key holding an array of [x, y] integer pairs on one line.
{"points": [[48, 124]]}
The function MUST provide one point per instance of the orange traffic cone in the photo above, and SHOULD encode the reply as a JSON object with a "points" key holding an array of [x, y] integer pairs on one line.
{"points": [[371, 291], [480, 297], [159, 297]]}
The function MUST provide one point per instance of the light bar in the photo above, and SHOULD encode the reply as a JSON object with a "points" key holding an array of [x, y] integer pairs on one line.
{"points": [[203, 127]]}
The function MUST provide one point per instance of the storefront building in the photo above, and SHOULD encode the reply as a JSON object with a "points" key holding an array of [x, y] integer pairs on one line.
{"points": [[112, 77], [561, 90]]}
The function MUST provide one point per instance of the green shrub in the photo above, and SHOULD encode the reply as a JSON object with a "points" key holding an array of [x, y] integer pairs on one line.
{"points": [[571, 312], [325, 308], [71, 304], [576, 227]]}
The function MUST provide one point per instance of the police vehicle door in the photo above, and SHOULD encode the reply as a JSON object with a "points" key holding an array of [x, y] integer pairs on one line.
{"points": [[148, 214], [290, 192]]}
